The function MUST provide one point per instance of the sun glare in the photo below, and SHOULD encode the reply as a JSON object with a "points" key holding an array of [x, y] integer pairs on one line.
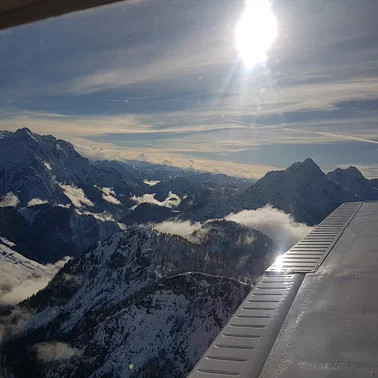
{"points": [[255, 32]]}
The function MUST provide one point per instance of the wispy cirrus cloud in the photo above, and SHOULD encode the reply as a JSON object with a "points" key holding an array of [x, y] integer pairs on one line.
{"points": [[162, 78]]}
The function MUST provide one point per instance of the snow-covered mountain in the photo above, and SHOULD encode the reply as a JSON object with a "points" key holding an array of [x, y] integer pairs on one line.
{"points": [[130, 308], [40, 168], [352, 179], [37, 167], [302, 190]]}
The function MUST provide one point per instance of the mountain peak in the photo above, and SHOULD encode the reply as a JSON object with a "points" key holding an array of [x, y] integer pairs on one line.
{"points": [[23, 130], [308, 166], [309, 161], [24, 133], [353, 170]]}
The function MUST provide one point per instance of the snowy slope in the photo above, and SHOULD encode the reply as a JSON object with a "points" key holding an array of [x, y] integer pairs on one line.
{"points": [[130, 308]]}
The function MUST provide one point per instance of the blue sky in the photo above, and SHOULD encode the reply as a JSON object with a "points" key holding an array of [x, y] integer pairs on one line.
{"points": [[162, 81]]}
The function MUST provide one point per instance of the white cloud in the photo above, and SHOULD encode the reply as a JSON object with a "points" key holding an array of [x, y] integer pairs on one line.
{"points": [[272, 222], [36, 201], [108, 194], [172, 201], [181, 228], [107, 151], [276, 224], [76, 195], [12, 324], [55, 351], [10, 199], [111, 199]]}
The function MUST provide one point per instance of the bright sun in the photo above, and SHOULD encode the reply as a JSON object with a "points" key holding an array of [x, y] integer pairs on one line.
{"points": [[255, 32]]}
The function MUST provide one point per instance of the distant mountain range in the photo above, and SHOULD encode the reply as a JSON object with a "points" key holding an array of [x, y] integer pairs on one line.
{"points": [[54, 202], [36, 169]]}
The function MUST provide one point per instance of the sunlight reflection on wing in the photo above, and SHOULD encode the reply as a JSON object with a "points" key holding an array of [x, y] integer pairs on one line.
{"points": [[279, 262]]}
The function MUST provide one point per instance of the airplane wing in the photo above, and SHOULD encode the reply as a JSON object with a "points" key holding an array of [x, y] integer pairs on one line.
{"points": [[312, 314], [18, 12]]}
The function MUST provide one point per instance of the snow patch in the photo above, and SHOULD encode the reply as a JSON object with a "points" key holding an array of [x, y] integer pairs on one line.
{"points": [[9, 200], [104, 217], [151, 182], [7, 242], [59, 148], [66, 206], [4, 134], [172, 201], [76, 195], [36, 201], [108, 194], [47, 165]]}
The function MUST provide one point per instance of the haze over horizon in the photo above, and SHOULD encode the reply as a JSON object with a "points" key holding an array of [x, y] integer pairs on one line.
{"points": [[162, 81]]}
